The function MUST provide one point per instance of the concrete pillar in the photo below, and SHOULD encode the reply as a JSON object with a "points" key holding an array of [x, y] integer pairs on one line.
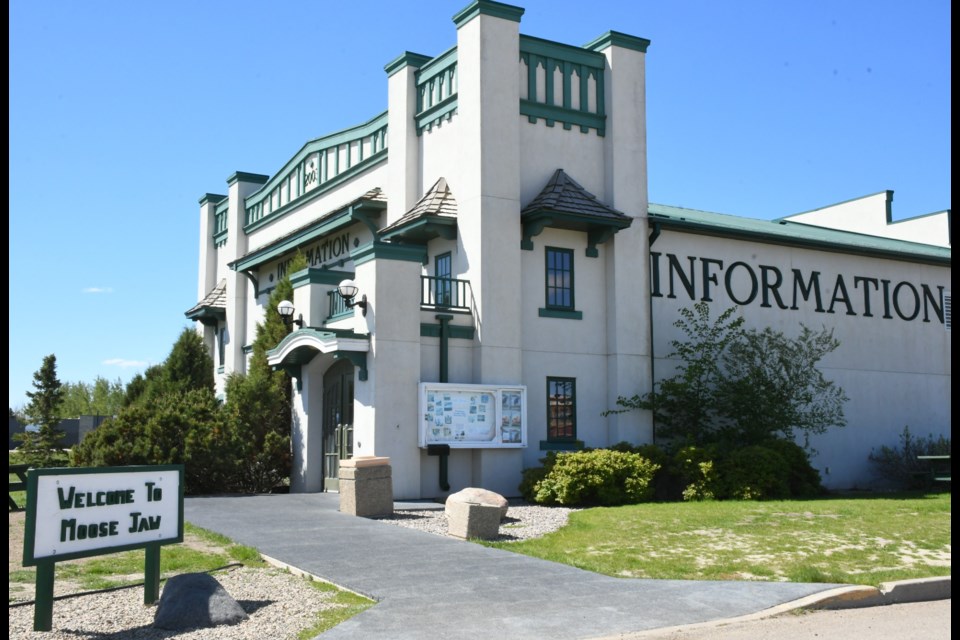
{"points": [[488, 198], [629, 365], [238, 286]]}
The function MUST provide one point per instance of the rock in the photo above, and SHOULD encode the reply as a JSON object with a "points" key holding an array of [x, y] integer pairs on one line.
{"points": [[193, 600], [478, 496]]}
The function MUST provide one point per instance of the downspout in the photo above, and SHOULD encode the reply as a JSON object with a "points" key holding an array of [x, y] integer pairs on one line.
{"points": [[653, 417], [444, 450]]}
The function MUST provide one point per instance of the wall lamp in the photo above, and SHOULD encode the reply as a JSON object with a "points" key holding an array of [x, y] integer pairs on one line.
{"points": [[285, 309], [348, 291]]}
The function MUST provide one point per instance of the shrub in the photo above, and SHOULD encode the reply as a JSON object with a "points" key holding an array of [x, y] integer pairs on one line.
{"points": [[600, 476], [750, 473], [899, 466], [802, 479]]}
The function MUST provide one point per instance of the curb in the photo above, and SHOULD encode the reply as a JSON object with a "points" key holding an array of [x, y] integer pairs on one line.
{"points": [[902, 591]]}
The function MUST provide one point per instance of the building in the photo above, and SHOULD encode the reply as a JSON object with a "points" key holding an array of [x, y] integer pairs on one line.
{"points": [[512, 280]]}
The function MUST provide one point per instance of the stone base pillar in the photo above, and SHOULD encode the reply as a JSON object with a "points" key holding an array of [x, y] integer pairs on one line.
{"points": [[472, 520], [366, 486]]}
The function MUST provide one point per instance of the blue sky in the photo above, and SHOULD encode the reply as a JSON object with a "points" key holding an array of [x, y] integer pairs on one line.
{"points": [[123, 114]]}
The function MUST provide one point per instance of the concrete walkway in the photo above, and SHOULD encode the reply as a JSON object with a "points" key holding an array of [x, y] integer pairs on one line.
{"points": [[428, 586]]}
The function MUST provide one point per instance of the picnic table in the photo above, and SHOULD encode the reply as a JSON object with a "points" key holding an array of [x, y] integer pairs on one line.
{"points": [[939, 467]]}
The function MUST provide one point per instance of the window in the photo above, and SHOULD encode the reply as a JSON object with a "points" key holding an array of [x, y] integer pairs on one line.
{"points": [[559, 278], [561, 409], [221, 345], [559, 285], [442, 271]]}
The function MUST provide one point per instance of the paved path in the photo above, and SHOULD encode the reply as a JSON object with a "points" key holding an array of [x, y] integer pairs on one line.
{"points": [[429, 586]]}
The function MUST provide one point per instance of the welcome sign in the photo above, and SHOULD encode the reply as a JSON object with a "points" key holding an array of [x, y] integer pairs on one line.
{"points": [[74, 513]]}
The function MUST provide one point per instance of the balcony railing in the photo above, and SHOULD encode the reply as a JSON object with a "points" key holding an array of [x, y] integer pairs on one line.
{"points": [[444, 293], [337, 308]]}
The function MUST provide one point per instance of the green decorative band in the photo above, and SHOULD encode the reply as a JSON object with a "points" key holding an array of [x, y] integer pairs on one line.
{"points": [[617, 39], [313, 194], [457, 331], [277, 196], [382, 251], [487, 8], [326, 225], [220, 239], [248, 348], [551, 445], [569, 117], [560, 51], [406, 59], [313, 275], [560, 313], [211, 198], [242, 176]]}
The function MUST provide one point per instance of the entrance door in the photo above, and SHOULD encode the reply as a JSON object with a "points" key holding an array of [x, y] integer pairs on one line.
{"points": [[337, 421]]}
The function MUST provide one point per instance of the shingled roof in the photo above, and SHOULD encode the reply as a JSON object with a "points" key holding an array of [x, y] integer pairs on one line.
{"points": [[564, 204], [434, 215], [213, 307]]}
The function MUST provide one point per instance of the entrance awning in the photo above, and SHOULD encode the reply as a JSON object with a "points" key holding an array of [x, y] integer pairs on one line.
{"points": [[300, 347]]}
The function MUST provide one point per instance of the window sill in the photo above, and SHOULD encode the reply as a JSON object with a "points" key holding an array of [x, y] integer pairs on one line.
{"points": [[561, 313], [220, 369], [549, 445]]}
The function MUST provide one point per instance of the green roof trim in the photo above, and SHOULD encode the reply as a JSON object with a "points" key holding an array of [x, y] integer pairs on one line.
{"points": [[258, 206], [794, 234], [211, 198], [487, 8], [377, 250], [345, 217], [313, 275], [406, 59], [617, 39], [243, 176]]}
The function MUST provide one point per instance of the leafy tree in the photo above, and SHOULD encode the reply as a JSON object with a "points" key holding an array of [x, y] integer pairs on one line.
{"points": [[258, 404], [773, 388], [103, 398], [685, 405], [41, 448], [742, 387]]}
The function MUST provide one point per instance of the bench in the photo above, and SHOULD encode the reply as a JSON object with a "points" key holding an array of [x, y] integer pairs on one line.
{"points": [[939, 467], [20, 470]]}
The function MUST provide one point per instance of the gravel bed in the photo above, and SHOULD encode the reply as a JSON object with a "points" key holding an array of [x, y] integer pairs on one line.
{"points": [[279, 604]]}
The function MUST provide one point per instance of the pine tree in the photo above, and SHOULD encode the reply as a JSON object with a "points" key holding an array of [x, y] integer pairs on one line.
{"points": [[41, 448]]}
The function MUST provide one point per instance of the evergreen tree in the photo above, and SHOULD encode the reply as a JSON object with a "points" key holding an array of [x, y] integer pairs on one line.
{"points": [[258, 404], [41, 448]]}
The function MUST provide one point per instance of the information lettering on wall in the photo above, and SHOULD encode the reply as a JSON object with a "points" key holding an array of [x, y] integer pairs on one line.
{"points": [[74, 513], [700, 279], [329, 248]]}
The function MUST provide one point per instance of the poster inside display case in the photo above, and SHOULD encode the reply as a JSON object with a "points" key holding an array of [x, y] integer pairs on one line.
{"points": [[473, 416]]}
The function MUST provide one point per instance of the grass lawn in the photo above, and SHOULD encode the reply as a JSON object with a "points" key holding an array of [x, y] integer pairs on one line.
{"points": [[851, 540]]}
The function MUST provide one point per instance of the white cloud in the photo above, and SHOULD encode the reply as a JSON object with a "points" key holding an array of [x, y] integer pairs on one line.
{"points": [[120, 362], [98, 290]]}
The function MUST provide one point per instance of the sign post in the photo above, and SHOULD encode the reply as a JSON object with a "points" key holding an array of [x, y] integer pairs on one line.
{"points": [[77, 513]]}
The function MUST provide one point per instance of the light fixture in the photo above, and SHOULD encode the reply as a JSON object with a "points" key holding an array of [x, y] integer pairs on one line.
{"points": [[348, 291], [285, 309]]}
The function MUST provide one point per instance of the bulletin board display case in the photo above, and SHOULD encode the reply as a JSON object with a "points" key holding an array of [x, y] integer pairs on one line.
{"points": [[473, 416]]}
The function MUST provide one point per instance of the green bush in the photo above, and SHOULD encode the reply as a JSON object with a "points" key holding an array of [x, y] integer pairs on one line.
{"points": [[803, 480], [750, 473], [899, 467], [596, 477]]}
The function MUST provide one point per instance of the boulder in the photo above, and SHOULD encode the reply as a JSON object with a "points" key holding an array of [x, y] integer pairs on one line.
{"points": [[478, 496], [193, 600]]}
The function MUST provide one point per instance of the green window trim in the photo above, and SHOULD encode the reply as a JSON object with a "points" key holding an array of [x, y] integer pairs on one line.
{"points": [[561, 411], [552, 445], [559, 282]]}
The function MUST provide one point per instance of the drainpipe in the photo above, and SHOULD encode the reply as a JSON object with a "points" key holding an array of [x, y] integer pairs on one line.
{"points": [[653, 238], [443, 450]]}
